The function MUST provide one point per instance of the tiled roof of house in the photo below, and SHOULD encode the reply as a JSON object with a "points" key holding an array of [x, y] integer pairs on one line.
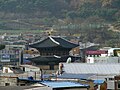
{"points": [[53, 41]]}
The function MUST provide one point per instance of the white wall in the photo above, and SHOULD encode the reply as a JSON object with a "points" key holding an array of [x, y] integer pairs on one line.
{"points": [[102, 59], [27, 69], [7, 69], [90, 59], [111, 84]]}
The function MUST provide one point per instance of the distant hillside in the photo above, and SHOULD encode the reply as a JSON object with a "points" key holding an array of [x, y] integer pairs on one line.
{"points": [[90, 18], [14, 9], [34, 14]]}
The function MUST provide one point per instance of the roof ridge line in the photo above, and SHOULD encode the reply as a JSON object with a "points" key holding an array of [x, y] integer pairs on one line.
{"points": [[54, 40]]}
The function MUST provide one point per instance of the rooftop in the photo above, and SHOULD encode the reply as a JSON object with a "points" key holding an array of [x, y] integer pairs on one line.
{"points": [[53, 41], [62, 84], [29, 66], [75, 76], [89, 68], [8, 75]]}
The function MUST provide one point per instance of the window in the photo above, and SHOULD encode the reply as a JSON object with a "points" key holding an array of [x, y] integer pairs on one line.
{"points": [[22, 84], [111, 78], [51, 67], [7, 84], [119, 84]]}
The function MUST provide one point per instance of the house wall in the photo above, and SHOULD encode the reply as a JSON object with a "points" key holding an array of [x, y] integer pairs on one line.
{"points": [[117, 82], [47, 67], [27, 69], [8, 81], [56, 67], [7, 70], [110, 85], [44, 67], [22, 83], [40, 88], [90, 83], [102, 60]]}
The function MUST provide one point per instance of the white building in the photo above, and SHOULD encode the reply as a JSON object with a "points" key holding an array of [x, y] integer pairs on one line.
{"points": [[103, 60], [7, 70], [114, 52], [30, 68]]}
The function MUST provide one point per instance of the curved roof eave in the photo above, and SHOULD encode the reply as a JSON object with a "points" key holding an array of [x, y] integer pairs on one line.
{"points": [[53, 41]]}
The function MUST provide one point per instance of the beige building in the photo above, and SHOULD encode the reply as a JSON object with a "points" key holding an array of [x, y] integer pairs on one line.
{"points": [[8, 80]]}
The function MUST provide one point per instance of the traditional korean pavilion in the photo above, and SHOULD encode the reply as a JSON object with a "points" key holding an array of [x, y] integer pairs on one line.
{"points": [[53, 50]]}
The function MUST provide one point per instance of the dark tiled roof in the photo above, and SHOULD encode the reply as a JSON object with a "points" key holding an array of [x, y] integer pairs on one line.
{"points": [[47, 59], [53, 41]]}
